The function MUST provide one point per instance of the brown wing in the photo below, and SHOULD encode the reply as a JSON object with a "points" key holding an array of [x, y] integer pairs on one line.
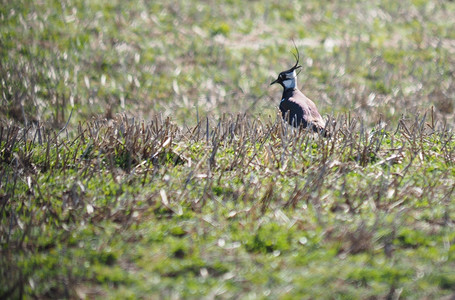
{"points": [[302, 111]]}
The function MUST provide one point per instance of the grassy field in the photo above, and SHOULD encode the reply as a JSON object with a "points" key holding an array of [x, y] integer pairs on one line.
{"points": [[142, 156]]}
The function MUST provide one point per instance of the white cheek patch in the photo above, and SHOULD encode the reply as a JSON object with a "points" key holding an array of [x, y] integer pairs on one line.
{"points": [[289, 83]]}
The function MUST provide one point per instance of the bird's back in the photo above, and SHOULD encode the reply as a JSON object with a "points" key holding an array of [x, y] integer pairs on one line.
{"points": [[299, 110]]}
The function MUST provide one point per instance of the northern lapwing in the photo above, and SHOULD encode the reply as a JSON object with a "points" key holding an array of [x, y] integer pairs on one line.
{"points": [[296, 108]]}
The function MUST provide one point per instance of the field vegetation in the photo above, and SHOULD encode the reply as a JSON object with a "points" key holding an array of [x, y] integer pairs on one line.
{"points": [[142, 154]]}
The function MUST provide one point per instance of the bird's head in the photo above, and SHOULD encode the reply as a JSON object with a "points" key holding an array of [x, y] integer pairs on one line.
{"points": [[288, 78]]}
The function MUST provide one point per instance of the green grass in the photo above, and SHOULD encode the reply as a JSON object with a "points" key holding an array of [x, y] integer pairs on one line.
{"points": [[197, 188], [118, 210]]}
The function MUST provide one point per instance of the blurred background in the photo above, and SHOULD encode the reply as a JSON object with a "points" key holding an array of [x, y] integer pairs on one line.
{"points": [[378, 60]]}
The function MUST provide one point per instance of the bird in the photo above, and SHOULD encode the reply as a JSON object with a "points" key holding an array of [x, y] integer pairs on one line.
{"points": [[296, 108]]}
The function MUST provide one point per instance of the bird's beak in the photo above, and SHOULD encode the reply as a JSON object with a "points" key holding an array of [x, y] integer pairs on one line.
{"points": [[275, 81]]}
